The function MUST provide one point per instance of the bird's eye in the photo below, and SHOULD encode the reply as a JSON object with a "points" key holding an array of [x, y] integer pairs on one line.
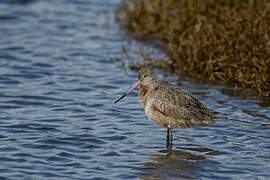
{"points": [[144, 75]]}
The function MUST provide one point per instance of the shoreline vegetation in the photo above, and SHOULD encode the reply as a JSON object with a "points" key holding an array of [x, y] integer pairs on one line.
{"points": [[221, 41]]}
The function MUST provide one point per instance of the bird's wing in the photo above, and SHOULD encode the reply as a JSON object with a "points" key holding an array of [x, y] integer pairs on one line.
{"points": [[180, 105]]}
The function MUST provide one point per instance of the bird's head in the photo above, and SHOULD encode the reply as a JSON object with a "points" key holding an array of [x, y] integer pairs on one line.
{"points": [[145, 78]]}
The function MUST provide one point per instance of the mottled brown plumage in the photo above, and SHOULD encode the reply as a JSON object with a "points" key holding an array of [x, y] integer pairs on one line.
{"points": [[170, 106]]}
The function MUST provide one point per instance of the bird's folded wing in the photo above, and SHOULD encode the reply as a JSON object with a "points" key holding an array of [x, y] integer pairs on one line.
{"points": [[180, 105]]}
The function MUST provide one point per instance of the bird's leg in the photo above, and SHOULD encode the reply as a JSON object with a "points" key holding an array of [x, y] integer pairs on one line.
{"points": [[168, 138], [171, 137]]}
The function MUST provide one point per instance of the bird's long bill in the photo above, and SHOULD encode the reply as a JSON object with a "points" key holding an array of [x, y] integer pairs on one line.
{"points": [[134, 86]]}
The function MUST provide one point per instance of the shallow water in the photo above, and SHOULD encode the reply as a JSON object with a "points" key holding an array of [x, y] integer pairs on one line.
{"points": [[58, 121]]}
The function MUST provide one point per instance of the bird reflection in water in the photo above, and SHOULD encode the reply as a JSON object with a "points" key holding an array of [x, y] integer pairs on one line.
{"points": [[174, 163]]}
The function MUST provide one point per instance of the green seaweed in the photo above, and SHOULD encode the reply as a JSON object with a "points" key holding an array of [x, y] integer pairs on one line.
{"points": [[222, 41]]}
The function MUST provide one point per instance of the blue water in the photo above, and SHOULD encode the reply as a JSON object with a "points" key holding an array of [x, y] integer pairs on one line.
{"points": [[58, 81]]}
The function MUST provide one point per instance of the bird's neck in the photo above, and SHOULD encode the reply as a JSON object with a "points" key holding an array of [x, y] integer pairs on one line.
{"points": [[145, 91]]}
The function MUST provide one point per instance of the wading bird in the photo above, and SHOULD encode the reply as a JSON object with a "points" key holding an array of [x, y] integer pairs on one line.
{"points": [[167, 105]]}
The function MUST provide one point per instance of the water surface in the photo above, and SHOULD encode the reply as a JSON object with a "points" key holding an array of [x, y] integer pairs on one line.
{"points": [[58, 121]]}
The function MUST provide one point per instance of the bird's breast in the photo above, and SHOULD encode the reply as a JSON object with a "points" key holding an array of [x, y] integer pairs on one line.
{"points": [[148, 108]]}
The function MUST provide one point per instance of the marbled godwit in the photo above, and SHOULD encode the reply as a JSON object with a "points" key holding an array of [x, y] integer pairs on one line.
{"points": [[167, 105]]}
